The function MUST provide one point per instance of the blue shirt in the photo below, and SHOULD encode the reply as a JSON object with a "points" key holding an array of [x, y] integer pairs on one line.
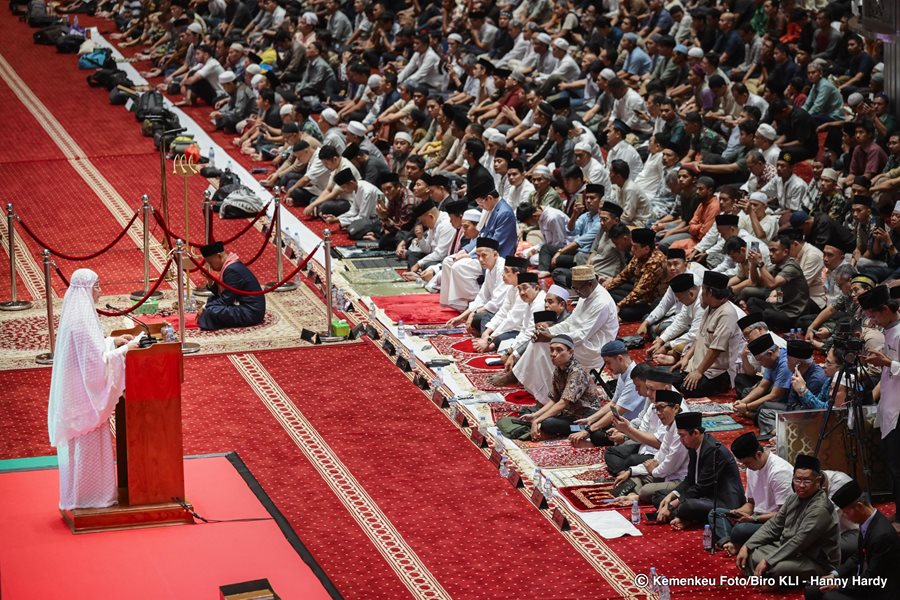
{"points": [[779, 375], [815, 380], [638, 62], [500, 226], [586, 228]]}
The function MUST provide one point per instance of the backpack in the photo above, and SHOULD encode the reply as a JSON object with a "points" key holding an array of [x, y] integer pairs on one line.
{"points": [[69, 43], [108, 78], [150, 104], [119, 95], [48, 36], [36, 14], [241, 203], [98, 59]]}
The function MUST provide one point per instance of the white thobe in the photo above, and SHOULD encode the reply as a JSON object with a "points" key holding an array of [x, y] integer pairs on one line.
{"points": [[493, 291], [651, 176], [526, 327], [593, 323], [509, 310], [459, 281], [437, 241], [889, 404], [672, 457]]}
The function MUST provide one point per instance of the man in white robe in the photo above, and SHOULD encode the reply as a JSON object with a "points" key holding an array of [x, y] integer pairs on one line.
{"points": [[87, 380], [491, 295]]}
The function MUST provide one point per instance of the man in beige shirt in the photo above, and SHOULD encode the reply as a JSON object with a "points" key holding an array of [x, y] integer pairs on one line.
{"points": [[812, 262]]}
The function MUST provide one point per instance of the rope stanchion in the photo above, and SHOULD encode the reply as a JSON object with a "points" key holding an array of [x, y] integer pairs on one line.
{"points": [[269, 289], [170, 234], [46, 358], [146, 211], [73, 257], [147, 296], [287, 286], [13, 303], [186, 347], [329, 330], [207, 234], [262, 248]]}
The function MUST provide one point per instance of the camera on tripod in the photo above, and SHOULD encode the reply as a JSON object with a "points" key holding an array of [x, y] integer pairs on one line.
{"points": [[847, 343]]}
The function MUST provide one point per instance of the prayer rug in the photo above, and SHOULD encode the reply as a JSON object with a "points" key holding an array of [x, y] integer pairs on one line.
{"points": [[414, 309], [521, 397], [479, 363], [720, 423], [589, 498], [504, 409], [564, 456], [372, 276], [464, 346], [703, 405], [482, 382], [598, 474]]}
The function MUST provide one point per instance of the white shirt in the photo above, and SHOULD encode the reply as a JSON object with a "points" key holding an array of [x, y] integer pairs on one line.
{"points": [[889, 405], [511, 310], [728, 266], [683, 329], [627, 108], [651, 176], [625, 151], [517, 194], [553, 223], [436, 242], [362, 203], [770, 486], [672, 457], [519, 50], [593, 323], [596, 172], [789, 193], [423, 68], [634, 203], [493, 290], [669, 305], [566, 68]]}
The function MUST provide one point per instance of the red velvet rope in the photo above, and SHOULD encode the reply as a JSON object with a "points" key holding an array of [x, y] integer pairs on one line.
{"points": [[170, 234], [262, 248], [149, 293], [62, 255], [274, 286]]}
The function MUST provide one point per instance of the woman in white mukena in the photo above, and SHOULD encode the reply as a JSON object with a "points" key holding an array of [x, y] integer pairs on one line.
{"points": [[88, 379]]}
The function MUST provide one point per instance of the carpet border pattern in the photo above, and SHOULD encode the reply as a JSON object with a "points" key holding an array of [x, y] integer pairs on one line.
{"points": [[374, 523]]}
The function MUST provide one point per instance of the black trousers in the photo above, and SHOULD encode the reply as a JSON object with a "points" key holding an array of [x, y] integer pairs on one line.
{"points": [[695, 510], [619, 292], [204, 90], [776, 319], [624, 456], [335, 207], [557, 425], [546, 255], [634, 313], [743, 383], [707, 387]]}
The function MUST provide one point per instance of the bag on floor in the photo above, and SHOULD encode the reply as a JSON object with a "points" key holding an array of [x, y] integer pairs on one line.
{"points": [[514, 429], [19, 8], [108, 78], [242, 203], [120, 95], [69, 43], [150, 104], [48, 36], [98, 59]]}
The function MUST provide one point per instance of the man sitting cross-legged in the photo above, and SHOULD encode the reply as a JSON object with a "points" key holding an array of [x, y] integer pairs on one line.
{"points": [[514, 323], [492, 292], [682, 331]]}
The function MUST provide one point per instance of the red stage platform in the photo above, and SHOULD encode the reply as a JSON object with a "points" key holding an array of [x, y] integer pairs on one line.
{"points": [[41, 558]]}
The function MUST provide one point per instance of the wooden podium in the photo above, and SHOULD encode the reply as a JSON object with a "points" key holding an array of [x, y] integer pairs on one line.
{"points": [[149, 451]]}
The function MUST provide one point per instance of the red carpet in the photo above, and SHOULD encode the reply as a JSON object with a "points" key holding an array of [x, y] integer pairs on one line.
{"points": [[184, 562], [415, 308]]}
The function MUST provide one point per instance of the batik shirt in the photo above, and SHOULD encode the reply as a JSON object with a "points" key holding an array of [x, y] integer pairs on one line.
{"points": [[575, 386]]}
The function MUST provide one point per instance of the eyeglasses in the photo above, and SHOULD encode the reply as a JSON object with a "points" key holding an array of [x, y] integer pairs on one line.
{"points": [[802, 481]]}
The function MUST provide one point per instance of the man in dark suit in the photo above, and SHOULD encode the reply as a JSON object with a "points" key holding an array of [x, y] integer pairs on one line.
{"points": [[712, 481], [226, 308], [878, 556]]}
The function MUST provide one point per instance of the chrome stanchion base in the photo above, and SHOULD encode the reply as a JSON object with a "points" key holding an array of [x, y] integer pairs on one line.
{"points": [[138, 294], [330, 339], [190, 348], [203, 293], [44, 359], [11, 305], [287, 286]]}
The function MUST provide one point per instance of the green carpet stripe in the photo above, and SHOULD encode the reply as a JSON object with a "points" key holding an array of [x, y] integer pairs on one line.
{"points": [[28, 464]]}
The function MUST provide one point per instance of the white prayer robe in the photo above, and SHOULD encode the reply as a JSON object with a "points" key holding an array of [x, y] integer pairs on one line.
{"points": [[593, 323], [437, 241], [492, 293], [459, 281], [889, 404], [526, 324]]}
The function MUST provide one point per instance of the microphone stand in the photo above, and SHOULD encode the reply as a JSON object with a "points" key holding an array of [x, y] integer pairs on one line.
{"points": [[164, 192], [715, 515], [147, 341]]}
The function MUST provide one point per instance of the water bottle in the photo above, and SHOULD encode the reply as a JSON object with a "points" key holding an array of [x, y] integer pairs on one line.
{"points": [[401, 330], [664, 593], [454, 195], [635, 513], [168, 332], [655, 586], [536, 477], [482, 425], [228, 169], [340, 301], [548, 488], [498, 441], [504, 467], [707, 538], [212, 157], [779, 296], [75, 22]]}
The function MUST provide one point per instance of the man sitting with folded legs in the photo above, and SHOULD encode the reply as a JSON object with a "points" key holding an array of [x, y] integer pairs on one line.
{"points": [[492, 292], [226, 308]]}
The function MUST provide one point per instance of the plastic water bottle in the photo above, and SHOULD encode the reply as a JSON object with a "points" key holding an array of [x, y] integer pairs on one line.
{"points": [[229, 168], [504, 467], [401, 330], [664, 593], [655, 586], [212, 157], [168, 332], [536, 477], [482, 425], [548, 488], [707, 538], [498, 441], [635, 513], [372, 315], [75, 22], [454, 194]]}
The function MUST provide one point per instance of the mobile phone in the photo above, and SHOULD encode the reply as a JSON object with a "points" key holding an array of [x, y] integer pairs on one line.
{"points": [[650, 516], [754, 246], [615, 411], [576, 428]]}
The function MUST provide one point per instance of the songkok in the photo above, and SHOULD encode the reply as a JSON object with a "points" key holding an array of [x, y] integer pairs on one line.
{"points": [[213, 248], [583, 273], [388, 178], [805, 461], [830, 174], [847, 494], [527, 277], [643, 236], [344, 176], [670, 397], [286, 109], [195, 27], [863, 200], [330, 116], [561, 44], [874, 298], [798, 218], [751, 319], [726, 220], [613, 348], [422, 207], [545, 108], [488, 65], [515, 164], [759, 197], [682, 283], [715, 280], [787, 156], [760, 344], [799, 349], [607, 74], [542, 171], [594, 188], [563, 293], [356, 128], [503, 154], [543, 316], [767, 131], [695, 52], [895, 292], [226, 77], [689, 420], [564, 340], [864, 280], [473, 214], [502, 72], [661, 375], [402, 135], [560, 103], [485, 242], [439, 180], [745, 445], [458, 207], [516, 262], [290, 128], [543, 38], [612, 208], [622, 126], [676, 253]]}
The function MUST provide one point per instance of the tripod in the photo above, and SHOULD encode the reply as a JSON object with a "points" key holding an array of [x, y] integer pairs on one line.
{"points": [[856, 420]]}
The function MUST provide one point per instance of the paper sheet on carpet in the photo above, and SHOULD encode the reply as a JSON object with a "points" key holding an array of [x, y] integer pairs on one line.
{"points": [[608, 523]]}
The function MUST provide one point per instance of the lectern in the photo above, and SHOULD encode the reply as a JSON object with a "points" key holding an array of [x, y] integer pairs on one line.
{"points": [[149, 453]]}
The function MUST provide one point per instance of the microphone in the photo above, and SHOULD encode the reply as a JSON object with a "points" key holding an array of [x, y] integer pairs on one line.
{"points": [[149, 339], [174, 131]]}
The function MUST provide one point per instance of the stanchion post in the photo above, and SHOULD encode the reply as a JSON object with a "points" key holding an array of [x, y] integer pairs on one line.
{"points": [[287, 286], [146, 212], [186, 347], [47, 357], [13, 303], [207, 234], [329, 330]]}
